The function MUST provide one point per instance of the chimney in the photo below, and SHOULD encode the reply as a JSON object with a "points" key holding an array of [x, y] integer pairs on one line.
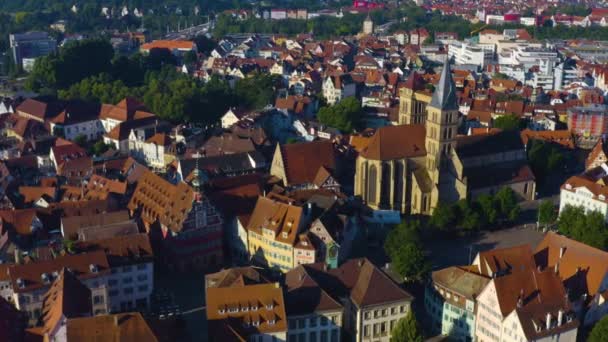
{"points": [[560, 317], [548, 320]]}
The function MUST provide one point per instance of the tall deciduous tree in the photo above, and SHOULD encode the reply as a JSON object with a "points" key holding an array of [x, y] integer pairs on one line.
{"points": [[407, 329], [344, 116], [404, 249]]}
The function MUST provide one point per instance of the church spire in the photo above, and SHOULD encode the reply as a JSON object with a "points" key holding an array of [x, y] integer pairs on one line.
{"points": [[444, 97]]}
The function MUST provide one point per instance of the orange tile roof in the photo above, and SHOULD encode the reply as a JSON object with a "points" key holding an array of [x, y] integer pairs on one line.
{"points": [[283, 219], [561, 137], [30, 275], [68, 297], [264, 309], [302, 161], [33, 193], [162, 201], [110, 328], [497, 261], [396, 142], [169, 44], [579, 264]]}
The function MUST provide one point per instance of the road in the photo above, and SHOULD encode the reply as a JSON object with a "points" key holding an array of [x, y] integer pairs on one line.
{"points": [[462, 251], [190, 32]]}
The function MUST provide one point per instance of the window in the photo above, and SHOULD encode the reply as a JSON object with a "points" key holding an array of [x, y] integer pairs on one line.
{"points": [[112, 282], [313, 322], [292, 324], [113, 293], [324, 321], [324, 336], [312, 337], [142, 288], [366, 330], [128, 290], [127, 268], [334, 335], [302, 337], [301, 323], [98, 300], [141, 267], [393, 310], [127, 280], [368, 315], [142, 277]]}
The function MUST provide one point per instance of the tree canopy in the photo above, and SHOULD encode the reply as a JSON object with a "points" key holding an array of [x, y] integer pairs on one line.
{"points": [[407, 329], [546, 213], [472, 215], [345, 116], [599, 333], [508, 122], [403, 246], [587, 227]]}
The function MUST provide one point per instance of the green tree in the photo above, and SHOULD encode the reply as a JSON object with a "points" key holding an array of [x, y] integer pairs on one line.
{"points": [[469, 218], [487, 206], [402, 245], [599, 333], [570, 218], [443, 216], [345, 116], [546, 213], [589, 228], [508, 122], [81, 140], [407, 329], [507, 204], [74, 62]]}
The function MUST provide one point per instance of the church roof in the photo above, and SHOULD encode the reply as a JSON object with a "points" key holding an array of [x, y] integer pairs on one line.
{"points": [[396, 142], [444, 97]]}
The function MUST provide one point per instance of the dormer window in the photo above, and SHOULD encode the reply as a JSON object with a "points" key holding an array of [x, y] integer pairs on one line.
{"points": [[568, 186], [221, 311], [93, 268], [45, 278], [255, 323], [271, 322], [284, 235], [244, 309], [254, 308], [20, 283], [269, 307]]}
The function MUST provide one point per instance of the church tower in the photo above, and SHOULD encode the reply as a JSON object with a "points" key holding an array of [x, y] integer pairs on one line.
{"points": [[441, 123], [411, 111]]}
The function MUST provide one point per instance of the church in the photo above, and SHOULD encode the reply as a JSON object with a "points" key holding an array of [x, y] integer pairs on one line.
{"points": [[413, 166]]}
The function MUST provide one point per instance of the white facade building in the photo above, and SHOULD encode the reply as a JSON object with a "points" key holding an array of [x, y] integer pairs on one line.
{"points": [[468, 53]]}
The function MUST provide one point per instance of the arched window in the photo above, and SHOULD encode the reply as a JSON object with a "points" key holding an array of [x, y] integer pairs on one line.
{"points": [[398, 195], [372, 178], [385, 192]]}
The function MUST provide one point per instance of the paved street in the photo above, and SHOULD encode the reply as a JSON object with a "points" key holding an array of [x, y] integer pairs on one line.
{"points": [[444, 253]]}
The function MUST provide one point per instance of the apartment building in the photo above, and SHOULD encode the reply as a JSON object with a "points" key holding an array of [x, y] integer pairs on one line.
{"points": [[26, 47], [131, 279], [586, 191], [273, 235], [372, 302], [338, 87], [470, 53], [30, 282], [450, 301], [313, 320], [246, 313], [538, 311]]}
